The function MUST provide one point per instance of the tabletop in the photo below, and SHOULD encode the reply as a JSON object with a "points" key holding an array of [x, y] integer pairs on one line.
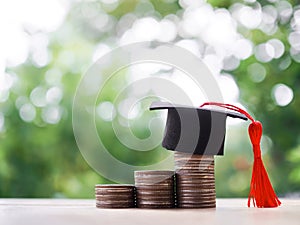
{"points": [[79, 211]]}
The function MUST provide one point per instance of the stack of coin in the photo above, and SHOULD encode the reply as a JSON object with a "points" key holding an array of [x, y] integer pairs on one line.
{"points": [[195, 181], [115, 196], [154, 189]]}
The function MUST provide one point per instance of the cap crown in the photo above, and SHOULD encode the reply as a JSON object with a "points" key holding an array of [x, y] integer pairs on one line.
{"points": [[195, 130]]}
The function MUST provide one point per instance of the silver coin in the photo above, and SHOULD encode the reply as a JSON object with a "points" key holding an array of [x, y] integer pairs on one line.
{"points": [[114, 196], [149, 195], [112, 190], [155, 198], [122, 186], [189, 206], [155, 206], [195, 194], [196, 198], [114, 203], [193, 162], [195, 186], [196, 181], [182, 191], [114, 206], [154, 182], [154, 187], [153, 172], [208, 168]]}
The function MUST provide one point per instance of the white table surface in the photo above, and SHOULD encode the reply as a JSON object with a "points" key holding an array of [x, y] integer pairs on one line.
{"points": [[78, 211]]}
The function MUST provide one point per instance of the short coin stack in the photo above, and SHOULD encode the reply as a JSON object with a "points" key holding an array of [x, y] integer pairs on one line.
{"points": [[115, 196], [195, 180], [154, 189]]}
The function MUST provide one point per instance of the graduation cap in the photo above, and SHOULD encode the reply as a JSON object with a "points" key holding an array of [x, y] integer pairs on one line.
{"points": [[202, 131], [195, 130]]}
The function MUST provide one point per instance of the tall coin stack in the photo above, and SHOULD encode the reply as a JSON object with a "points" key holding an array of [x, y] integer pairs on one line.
{"points": [[115, 196], [154, 189], [195, 180]]}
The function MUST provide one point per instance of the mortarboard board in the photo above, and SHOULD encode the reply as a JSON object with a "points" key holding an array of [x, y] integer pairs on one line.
{"points": [[195, 130]]}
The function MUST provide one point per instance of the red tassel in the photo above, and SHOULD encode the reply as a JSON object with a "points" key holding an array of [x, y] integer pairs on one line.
{"points": [[261, 190]]}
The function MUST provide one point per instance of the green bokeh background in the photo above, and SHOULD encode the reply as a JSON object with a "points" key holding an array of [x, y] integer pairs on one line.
{"points": [[38, 159]]}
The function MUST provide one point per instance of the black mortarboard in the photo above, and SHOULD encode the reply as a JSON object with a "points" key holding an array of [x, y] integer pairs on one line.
{"points": [[195, 130]]}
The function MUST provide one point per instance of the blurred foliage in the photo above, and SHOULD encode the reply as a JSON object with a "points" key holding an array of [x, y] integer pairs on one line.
{"points": [[39, 158]]}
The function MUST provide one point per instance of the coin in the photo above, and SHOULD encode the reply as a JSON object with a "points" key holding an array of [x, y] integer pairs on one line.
{"points": [[114, 206], [155, 206], [145, 173], [212, 205], [155, 189], [114, 196], [151, 184], [197, 196], [195, 181]]}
